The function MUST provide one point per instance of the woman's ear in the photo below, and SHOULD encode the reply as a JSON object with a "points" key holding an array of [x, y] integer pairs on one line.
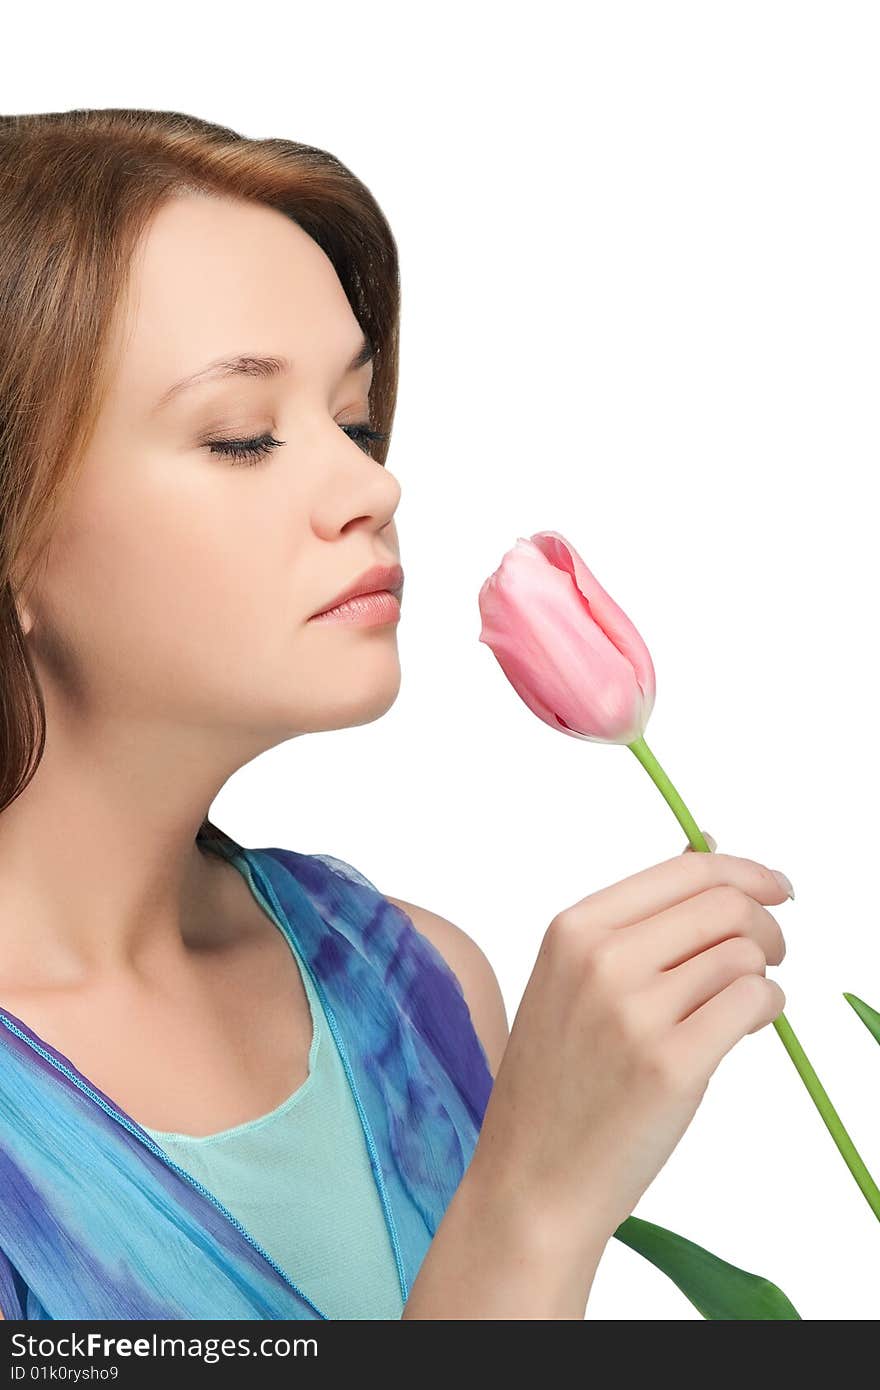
{"points": [[22, 581], [24, 611]]}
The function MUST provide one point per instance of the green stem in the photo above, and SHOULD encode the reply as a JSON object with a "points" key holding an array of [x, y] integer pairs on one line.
{"points": [[802, 1064]]}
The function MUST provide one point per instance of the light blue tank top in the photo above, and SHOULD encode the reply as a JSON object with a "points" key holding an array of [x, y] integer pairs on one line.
{"points": [[299, 1180]]}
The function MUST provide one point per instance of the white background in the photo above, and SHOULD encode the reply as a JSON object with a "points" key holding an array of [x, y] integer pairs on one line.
{"points": [[639, 255]]}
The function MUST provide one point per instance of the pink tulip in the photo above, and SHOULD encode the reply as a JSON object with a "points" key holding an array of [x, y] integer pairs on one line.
{"points": [[569, 652], [576, 660]]}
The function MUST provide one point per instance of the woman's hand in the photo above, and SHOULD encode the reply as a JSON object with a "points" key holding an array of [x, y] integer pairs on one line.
{"points": [[637, 993]]}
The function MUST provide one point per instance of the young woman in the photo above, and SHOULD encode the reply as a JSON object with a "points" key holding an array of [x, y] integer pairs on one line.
{"points": [[246, 1083]]}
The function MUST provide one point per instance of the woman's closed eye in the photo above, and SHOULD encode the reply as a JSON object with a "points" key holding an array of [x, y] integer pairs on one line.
{"points": [[253, 450]]}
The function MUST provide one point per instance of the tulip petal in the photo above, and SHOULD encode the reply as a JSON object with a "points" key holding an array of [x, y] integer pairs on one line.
{"points": [[604, 611], [563, 668], [589, 679]]}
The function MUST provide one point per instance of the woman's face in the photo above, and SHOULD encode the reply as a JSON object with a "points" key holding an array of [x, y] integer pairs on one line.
{"points": [[178, 585]]}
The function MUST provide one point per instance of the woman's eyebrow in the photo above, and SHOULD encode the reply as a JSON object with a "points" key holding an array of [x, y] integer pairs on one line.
{"points": [[251, 365]]}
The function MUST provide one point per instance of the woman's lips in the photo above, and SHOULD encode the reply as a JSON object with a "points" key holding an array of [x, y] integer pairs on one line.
{"points": [[366, 610], [373, 580]]}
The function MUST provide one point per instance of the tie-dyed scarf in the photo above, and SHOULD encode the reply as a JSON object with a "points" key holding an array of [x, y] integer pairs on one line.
{"points": [[97, 1222]]}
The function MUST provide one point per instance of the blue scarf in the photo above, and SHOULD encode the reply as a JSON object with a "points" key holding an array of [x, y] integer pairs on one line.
{"points": [[97, 1222]]}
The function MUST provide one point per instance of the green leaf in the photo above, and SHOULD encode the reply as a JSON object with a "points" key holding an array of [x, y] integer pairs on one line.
{"points": [[717, 1289], [869, 1016]]}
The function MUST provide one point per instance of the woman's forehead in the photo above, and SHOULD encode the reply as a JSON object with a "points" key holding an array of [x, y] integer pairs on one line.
{"points": [[215, 280]]}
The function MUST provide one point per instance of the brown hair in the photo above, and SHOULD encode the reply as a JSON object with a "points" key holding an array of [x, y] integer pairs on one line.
{"points": [[77, 190]]}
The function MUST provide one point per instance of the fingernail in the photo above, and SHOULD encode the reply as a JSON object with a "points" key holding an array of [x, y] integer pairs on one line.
{"points": [[784, 882]]}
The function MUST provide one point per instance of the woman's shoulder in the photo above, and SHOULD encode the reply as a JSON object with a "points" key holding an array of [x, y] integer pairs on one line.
{"points": [[471, 967], [466, 960], [477, 980]]}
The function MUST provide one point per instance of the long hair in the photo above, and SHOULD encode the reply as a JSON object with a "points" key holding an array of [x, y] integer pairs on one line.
{"points": [[77, 190]]}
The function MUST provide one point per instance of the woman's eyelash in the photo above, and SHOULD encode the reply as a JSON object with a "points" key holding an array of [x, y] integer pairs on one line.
{"points": [[244, 450], [363, 434], [251, 451]]}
